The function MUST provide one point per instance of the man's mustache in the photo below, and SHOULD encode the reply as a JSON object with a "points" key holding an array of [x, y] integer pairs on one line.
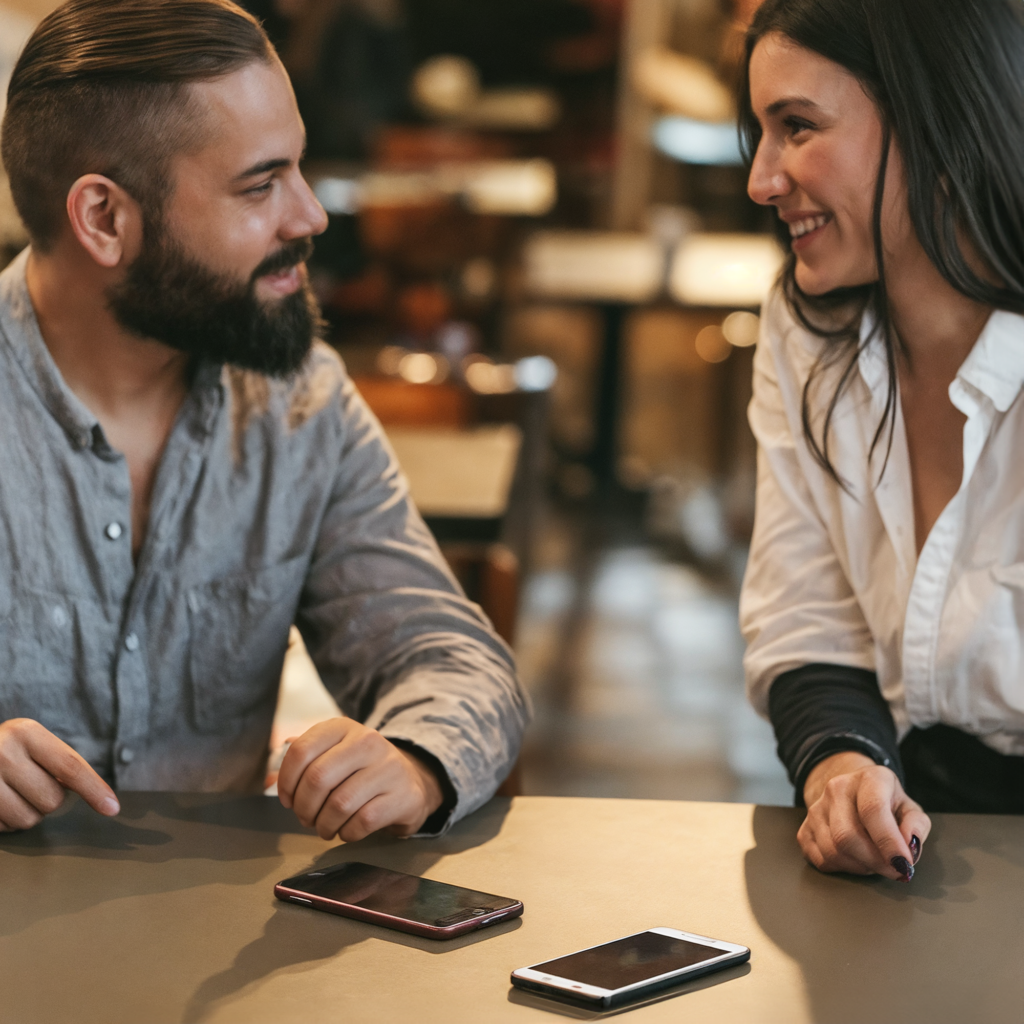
{"points": [[289, 255]]}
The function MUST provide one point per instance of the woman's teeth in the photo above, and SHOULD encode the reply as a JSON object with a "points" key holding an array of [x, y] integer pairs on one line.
{"points": [[800, 228]]}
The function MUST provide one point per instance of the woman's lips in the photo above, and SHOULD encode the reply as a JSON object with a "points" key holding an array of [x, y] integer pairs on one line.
{"points": [[804, 231]]}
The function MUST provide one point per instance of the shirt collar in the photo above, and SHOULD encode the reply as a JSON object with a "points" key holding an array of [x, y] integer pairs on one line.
{"points": [[20, 329], [994, 367], [872, 362]]}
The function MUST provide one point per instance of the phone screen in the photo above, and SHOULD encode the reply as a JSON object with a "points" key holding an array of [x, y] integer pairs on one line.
{"points": [[397, 894], [630, 960]]}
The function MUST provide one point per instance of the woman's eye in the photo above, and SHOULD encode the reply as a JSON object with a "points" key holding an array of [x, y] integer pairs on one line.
{"points": [[796, 125]]}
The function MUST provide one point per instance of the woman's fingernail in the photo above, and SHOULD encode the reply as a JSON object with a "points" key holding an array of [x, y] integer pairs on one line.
{"points": [[915, 848], [904, 867]]}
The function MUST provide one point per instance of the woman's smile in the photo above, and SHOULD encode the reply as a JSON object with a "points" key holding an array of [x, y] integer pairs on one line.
{"points": [[805, 228]]}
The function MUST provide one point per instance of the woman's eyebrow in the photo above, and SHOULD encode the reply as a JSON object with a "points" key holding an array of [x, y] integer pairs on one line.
{"points": [[789, 101]]}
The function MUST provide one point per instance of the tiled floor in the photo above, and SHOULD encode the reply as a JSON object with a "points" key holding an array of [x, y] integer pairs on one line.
{"points": [[633, 661]]}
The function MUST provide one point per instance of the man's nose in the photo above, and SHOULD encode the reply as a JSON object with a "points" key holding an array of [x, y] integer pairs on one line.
{"points": [[768, 180], [306, 216]]}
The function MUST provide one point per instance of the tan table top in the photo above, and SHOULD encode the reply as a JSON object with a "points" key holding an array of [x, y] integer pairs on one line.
{"points": [[168, 914], [465, 474]]}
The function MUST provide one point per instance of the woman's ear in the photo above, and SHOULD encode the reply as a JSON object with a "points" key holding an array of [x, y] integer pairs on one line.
{"points": [[105, 219]]}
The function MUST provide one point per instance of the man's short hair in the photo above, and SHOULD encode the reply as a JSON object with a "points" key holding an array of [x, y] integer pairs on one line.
{"points": [[102, 87]]}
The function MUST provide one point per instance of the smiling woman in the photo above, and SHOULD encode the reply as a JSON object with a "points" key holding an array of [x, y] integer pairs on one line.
{"points": [[882, 605]]}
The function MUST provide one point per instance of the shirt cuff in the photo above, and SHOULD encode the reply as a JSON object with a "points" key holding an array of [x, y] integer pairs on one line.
{"points": [[819, 710], [440, 821]]}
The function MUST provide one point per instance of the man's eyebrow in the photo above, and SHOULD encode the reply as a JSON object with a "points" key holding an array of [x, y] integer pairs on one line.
{"points": [[263, 167], [789, 101]]}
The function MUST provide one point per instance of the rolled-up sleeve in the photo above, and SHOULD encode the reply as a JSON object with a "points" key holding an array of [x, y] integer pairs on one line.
{"points": [[396, 642], [797, 606]]}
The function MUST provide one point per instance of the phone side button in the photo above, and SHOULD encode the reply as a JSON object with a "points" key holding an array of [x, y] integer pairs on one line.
{"points": [[299, 899]]}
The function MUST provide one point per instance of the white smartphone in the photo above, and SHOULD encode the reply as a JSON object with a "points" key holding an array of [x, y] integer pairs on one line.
{"points": [[630, 968]]}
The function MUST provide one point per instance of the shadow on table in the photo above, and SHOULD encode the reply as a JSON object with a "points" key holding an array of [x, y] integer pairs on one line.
{"points": [[567, 1009], [153, 830], [297, 939], [76, 830], [947, 947], [222, 839]]}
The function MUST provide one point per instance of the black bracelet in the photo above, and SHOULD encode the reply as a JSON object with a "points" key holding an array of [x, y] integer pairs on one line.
{"points": [[837, 743], [819, 710]]}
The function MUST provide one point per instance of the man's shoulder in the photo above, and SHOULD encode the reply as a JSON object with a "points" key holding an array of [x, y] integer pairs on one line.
{"points": [[317, 387], [15, 307]]}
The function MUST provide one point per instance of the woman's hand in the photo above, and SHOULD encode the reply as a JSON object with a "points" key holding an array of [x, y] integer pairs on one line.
{"points": [[860, 821]]}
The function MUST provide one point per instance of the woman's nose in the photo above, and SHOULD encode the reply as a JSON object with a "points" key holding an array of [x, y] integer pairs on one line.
{"points": [[768, 180]]}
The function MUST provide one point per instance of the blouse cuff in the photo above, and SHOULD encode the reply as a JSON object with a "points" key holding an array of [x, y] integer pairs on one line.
{"points": [[819, 710]]}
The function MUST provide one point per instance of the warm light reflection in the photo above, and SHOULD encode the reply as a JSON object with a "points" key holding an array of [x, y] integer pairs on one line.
{"points": [[724, 269], [712, 346], [487, 378], [596, 265], [741, 328], [423, 368]]}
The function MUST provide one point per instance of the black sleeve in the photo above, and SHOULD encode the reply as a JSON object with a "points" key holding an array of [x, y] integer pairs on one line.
{"points": [[819, 710]]}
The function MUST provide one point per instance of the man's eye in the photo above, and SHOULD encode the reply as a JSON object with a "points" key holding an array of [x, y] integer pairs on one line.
{"points": [[261, 189]]}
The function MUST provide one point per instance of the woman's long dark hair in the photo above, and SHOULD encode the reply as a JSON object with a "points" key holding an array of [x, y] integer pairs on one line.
{"points": [[947, 77]]}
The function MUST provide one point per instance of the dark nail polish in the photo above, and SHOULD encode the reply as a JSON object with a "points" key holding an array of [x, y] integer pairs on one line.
{"points": [[915, 848], [904, 867]]}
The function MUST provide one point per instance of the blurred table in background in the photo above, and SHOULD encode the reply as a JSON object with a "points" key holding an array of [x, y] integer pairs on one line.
{"points": [[167, 914], [708, 278], [460, 480]]}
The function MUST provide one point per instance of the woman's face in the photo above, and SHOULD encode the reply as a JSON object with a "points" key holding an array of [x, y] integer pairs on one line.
{"points": [[817, 164]]}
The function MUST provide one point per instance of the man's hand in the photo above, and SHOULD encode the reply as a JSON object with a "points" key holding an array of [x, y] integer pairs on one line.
{"points": [[860, 821], [35, 770], [346, 780]]}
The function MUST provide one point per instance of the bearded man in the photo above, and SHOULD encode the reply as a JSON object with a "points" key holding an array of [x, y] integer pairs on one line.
{"points": [[185, 471]]}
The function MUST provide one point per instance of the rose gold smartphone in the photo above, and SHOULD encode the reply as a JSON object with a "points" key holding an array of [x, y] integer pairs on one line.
{"points": [[392, 899]]}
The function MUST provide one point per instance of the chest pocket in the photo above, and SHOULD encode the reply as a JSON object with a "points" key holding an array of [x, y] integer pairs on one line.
{"points": [[54, 660], [239, 634]]}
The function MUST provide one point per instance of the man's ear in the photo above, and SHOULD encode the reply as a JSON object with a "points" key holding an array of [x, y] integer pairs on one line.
{"points": [[105, 219]]}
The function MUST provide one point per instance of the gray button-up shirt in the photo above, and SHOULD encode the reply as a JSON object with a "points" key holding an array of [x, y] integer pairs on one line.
{"points": [[275, 502]]}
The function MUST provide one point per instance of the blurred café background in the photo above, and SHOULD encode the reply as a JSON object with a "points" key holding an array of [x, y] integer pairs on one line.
{"points": [[544, 273]]}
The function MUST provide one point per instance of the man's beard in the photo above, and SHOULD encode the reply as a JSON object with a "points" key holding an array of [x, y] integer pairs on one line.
{"points": [[171, 297]]}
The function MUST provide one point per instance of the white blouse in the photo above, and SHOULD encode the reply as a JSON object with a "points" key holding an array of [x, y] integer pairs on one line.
{"points": [[835, 577]]}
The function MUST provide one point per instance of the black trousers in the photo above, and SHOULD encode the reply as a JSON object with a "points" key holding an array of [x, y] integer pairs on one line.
{"points": [[950, 770]]}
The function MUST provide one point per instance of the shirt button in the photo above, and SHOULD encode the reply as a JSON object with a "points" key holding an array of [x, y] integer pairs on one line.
{"points": [[127, 755], [131, 642], [113, 531]]}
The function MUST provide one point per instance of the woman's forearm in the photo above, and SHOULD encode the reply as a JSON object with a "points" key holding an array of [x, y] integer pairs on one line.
{"points": [[821, 710]]}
